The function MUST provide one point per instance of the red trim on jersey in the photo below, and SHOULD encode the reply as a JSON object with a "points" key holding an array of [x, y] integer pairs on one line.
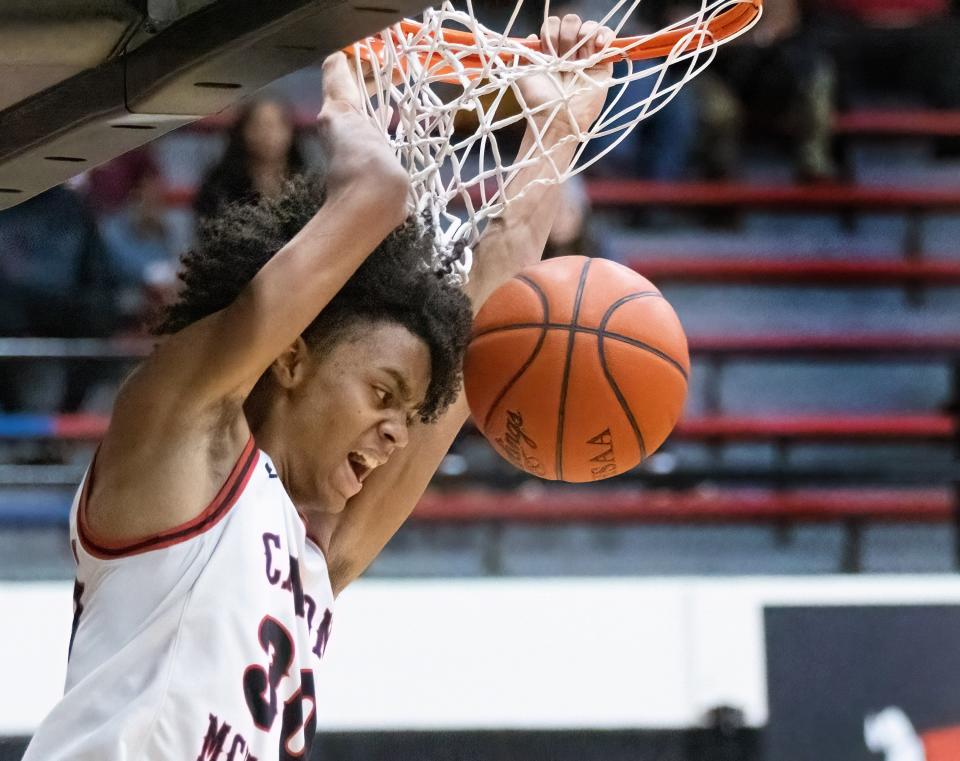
{"points": [[229, 493]]}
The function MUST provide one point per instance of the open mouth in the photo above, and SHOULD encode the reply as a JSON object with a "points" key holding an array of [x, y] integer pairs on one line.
{"points": [[360, 465]]}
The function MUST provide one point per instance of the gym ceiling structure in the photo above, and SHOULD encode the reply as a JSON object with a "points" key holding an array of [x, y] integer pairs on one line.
{"points": [[84, 81]]}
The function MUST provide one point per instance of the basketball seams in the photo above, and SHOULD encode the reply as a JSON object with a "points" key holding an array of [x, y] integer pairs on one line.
{"points": [[546, 323], [533, 355], [602, 332], [539, 293], [608, 315], [595, 332], [565, 380], [601, 335], [647, 348], [623, 402]]}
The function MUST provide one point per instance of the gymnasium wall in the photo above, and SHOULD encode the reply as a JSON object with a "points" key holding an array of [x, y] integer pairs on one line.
{"points": [[513, 654]]}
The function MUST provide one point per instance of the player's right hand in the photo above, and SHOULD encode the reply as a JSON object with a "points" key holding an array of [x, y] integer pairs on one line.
{"points": [[353, 144], [583, 97]]}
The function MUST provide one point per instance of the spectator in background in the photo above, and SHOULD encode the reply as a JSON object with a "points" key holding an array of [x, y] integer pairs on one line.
{"points": [[262, 153], [774, 79], [142, 247], [56, 280], [661, 146], [108, 186], [55, 273], [907, 47]]}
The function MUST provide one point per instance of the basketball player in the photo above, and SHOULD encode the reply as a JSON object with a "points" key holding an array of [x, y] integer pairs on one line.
{"points": [[270, 446]]}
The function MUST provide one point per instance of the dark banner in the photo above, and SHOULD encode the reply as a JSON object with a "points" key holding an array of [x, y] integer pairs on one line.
{"points": [[870, 683]]}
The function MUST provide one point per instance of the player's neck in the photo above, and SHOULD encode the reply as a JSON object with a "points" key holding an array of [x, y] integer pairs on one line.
{"points": [[268, 431]]}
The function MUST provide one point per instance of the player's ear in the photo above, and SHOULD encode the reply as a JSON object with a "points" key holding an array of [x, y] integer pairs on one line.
{"points": [[292, 366]]}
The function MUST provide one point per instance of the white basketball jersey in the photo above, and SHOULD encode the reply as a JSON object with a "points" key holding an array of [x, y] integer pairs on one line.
{"points": [[201, 643]]}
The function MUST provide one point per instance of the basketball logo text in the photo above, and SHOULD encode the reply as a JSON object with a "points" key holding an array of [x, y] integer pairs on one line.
{"points": [[605, 457], [516, 445]]}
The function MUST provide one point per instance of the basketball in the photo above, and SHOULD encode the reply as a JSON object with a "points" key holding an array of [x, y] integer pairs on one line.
{"points": [[577, 369]]}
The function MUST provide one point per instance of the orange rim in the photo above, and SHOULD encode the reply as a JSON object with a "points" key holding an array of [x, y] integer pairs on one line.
{"points": [[722, 27]]}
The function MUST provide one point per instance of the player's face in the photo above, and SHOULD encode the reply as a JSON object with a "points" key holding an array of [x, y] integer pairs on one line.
{"points": [[357, 406], [268, 133]]}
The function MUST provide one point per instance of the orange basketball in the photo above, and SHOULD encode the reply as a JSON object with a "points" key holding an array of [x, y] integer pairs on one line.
{"points": [[577, 369]]}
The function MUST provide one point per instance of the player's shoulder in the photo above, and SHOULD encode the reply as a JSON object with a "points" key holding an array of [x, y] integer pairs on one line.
{"points": [[150, 475]]}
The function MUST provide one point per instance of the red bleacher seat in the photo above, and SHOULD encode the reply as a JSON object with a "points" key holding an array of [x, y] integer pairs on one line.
{"points": [[638, 193], [819, 427], [933, 346], [926, 504], [82, 426], [852, 272], [900, 123]]}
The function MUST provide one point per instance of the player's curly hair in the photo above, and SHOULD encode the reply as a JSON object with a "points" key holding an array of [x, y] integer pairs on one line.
{"points": [[392, 285]]}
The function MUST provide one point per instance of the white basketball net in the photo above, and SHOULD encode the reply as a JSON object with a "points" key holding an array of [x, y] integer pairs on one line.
{"points": [[411, 77]]}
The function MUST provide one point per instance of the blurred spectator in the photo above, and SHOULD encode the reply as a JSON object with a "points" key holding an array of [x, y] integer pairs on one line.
{"points": [[108, 187], [56, 277], [56, 280], [142, 247], [907, 47], [262, 153], [774, 79], [661, 146]]}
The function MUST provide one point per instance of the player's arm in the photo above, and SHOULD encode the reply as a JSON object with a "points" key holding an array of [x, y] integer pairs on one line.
{"points": [[509, 244], [197, 379], [516, 239], [224, 354]]}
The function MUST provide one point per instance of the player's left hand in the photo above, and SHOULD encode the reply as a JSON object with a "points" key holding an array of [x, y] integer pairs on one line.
{"points": [[584, 98]]}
